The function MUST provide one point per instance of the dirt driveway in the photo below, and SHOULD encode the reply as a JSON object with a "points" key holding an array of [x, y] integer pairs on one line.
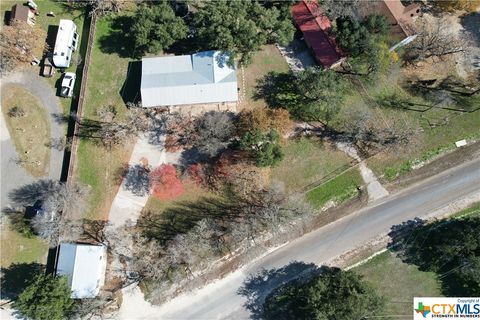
{"points": [[13, 175]]}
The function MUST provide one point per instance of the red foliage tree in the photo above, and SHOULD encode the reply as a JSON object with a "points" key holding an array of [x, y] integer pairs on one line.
{"points": [[165, 183]]}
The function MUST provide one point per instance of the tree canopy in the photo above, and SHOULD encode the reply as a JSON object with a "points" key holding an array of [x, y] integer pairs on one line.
{"points": [[46, 298], [357, 38], [322, 92], [451, 248], [156, 27], [242, 27], [333, 294], [264, 148]]}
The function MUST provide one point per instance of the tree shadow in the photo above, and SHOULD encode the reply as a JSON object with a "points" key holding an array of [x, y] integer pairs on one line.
{"points": [[16, 277], [191, 156], [119, 39], [471, 23], [184, 216], [278, 90], [29, 194], [94, 230], [137, 180], [257, 287], [449, 94], [450, 248]]}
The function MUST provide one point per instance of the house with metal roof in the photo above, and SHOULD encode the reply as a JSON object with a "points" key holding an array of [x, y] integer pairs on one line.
{"points": [[311, 19], [203, 78], [84, 265]]}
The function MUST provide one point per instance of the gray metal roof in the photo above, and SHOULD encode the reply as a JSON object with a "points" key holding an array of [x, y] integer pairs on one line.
{"points": [[84, 266], [203, 77]]}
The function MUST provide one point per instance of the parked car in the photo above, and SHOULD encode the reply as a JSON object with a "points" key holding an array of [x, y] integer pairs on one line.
{"points": [[68, 82]]}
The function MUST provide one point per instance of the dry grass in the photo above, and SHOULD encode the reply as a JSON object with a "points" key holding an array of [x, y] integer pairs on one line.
{"points": [[31, 132]]}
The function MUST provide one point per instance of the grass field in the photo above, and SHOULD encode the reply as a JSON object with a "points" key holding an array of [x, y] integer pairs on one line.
{"points": [[17, 248], [96, 165], [472, 211], [31, 132], [307, 160], [450, 126], [264, 61], [398, 283], [339, 189]]}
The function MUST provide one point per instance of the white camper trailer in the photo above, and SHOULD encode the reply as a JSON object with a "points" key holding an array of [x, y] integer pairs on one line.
{"points": [[65, 44]]}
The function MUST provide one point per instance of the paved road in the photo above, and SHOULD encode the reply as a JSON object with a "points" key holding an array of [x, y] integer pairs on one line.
{"points": [[221, 300], [13, 175]]}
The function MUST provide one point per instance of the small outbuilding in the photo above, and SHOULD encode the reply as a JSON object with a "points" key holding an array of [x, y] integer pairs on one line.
{"points": [[22, 13], [84, 265], [65, 43], [191, 83]]}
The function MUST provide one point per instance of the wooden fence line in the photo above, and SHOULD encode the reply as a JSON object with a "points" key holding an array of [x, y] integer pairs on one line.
{"points": [[81, 98]]}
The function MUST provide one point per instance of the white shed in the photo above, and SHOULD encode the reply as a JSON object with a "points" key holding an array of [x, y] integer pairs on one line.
{"points": [[65, 43], [84, 265]]}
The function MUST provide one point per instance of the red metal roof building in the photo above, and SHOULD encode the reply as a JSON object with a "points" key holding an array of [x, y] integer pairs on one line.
{"points": [[316, 28]]}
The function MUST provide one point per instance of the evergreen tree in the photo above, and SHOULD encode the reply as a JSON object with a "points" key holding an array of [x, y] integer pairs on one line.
{"points": [[242, 27], [46, 298], [332, 295], [264, 148], [156, 28], [321, 93]]}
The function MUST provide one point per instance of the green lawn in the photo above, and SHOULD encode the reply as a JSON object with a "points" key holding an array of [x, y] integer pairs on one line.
{"points": [[267, 60], [17, 248], [339, 189], [398, 283], [96, 165], [306, 161], [472, 211]]}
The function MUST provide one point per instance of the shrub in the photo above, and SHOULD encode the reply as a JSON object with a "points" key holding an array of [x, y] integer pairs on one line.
{"points": [[165, 183]]}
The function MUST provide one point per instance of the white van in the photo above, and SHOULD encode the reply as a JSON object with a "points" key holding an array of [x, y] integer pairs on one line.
{"points": [[65, 44]]}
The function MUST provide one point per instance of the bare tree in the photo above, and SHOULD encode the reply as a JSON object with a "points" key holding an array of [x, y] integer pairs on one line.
{"points": [[214, 130], [112, 130], [61, 209], [435, 39]]}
